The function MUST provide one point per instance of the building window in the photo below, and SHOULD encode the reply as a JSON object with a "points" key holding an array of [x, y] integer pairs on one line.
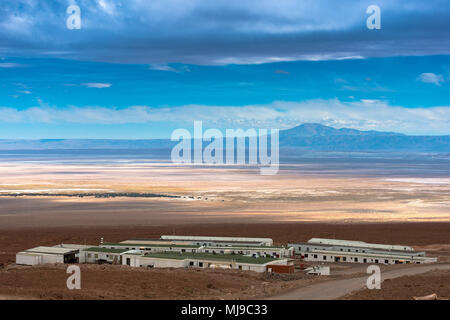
{"points": [[376, 260], [200, 264], [96, 256], [386, 261], [191, 263], [344, 259], [315, 256], [306, 255], [324, 257], [356, 259], [89, 255]]}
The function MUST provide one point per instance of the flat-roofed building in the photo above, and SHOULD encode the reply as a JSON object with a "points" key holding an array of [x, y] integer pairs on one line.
{"points": [[153, 241], [157, 247], [263, 251], [325, 250], [80, 247], [220, 241], [103, 255], [373, 257], [166, 245], [42, 255], [359, 244], [200, 260]]}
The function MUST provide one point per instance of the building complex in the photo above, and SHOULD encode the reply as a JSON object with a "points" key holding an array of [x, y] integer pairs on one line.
{"points": [[253, 254]]}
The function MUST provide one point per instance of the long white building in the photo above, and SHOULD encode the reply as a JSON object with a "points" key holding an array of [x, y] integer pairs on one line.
{"points": [[220, 241], [168, 246], [359, 244], [332, 250], [200, 260]]}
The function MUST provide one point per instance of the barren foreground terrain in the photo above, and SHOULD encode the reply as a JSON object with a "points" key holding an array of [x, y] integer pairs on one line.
{"points": [[408, 287], [121, 282]]}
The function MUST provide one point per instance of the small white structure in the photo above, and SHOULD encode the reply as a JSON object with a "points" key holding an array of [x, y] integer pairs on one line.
{"points": [[103, 255], [319, 270], [41, 255], [80, 247]]}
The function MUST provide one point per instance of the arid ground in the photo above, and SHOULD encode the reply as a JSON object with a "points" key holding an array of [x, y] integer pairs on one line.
{"points": [[50, 203]]}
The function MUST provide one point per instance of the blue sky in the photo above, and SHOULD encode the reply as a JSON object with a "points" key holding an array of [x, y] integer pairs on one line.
{"points": [[139, 69]]}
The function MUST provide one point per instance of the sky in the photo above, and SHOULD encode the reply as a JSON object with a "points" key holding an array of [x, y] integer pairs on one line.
{"points": [[140, 69]]}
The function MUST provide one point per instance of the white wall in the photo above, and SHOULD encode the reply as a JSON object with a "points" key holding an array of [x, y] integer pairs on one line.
{"points": [[354, 259], [34, 259], [28, 260]]}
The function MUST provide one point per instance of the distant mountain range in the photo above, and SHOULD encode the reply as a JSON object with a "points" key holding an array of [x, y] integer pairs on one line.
{"points": [[313, 136], [309, 136]]}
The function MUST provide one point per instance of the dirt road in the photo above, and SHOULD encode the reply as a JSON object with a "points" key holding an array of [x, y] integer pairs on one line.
{"points": [[334, 289]]}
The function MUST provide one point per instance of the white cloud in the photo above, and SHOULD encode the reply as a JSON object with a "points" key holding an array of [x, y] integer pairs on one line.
{"points": [[9, 65], [429, 77], [166, 67], [363, 115], [97, 85], [107, 7], [272, 59]]}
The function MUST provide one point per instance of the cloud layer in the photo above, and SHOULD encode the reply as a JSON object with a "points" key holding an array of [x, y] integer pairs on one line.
{"points": [[363, 115], [223, 31]]}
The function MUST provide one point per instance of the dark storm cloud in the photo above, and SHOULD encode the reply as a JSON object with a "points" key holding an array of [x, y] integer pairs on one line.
{"points": [[222, 32]]}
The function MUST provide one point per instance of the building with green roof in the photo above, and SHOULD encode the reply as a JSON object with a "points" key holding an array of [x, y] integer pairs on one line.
{"points": [[201, 260]]}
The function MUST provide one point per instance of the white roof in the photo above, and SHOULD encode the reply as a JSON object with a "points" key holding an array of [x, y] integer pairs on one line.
{"points": [[73, 246], [360, 244], [203, 238], [51, 250], [24, 253]]}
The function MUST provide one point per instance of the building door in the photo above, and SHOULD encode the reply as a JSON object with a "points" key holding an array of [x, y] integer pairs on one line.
{"points": [[128, 261]]}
